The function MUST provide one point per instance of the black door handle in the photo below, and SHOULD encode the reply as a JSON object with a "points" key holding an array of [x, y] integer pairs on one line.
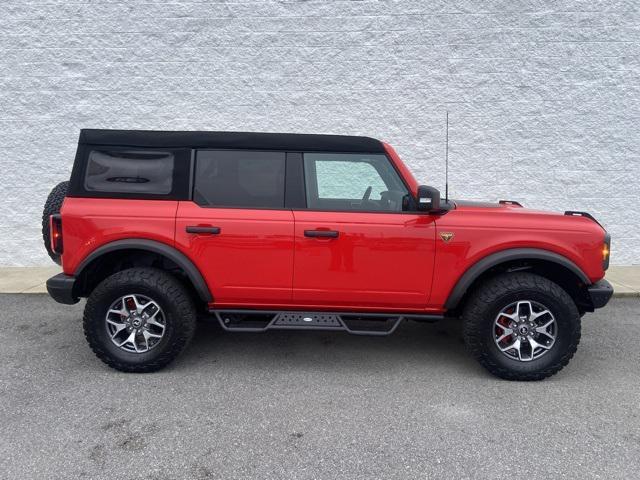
{"points": [[209, 230], [321, 233]]}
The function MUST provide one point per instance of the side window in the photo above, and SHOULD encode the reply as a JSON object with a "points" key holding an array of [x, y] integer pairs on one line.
{"points": [[239, 179], [352, 182], [142, 172]]}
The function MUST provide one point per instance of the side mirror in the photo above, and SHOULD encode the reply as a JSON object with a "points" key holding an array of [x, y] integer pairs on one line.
{"points": [[428, 199]]}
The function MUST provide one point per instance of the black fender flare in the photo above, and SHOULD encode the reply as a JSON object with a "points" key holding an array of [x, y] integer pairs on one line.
{"points": [[490, 261], [153, 246]]}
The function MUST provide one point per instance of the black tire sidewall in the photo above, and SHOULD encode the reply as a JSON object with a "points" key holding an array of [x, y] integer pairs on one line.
{"points": [[565, 338], [496, 293], [179, 325]]}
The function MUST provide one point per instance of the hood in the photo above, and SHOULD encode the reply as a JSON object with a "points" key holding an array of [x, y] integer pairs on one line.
{"points": [[567, 219]]}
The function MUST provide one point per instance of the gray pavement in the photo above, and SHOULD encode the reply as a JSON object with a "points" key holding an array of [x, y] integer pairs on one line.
{"points": [[312, 405]]}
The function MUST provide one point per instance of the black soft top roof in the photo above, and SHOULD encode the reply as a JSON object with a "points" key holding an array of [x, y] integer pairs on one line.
{"points": [[240, 140]]}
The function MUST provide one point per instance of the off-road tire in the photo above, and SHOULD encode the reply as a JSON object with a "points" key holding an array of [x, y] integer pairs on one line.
{"points": [[487, 301], [173, 299], [51, 207]]}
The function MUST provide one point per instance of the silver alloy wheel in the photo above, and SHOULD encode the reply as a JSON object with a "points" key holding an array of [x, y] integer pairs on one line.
{"points": [[525, 330], [135, 323]]}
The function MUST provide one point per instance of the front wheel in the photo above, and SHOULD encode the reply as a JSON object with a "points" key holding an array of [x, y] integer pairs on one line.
{"points": [[521, 326], [139, 319]]}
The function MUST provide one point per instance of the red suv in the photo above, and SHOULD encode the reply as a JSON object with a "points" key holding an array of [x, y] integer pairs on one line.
{"points": [[268, 231]]}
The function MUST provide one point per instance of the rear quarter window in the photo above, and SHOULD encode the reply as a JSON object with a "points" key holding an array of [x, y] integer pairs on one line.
{"points": [[130, 171]]}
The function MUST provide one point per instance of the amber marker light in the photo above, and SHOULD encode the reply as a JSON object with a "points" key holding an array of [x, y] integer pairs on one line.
{"points": [[606, 251]]}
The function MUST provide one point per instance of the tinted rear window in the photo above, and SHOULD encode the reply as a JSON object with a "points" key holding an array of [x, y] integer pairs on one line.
{"points": [[130, 171], [240, 179]]}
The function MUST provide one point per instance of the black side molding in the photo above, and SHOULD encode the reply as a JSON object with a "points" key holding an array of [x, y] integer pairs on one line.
{"points": [[156, 247], [490, 261], [60, 288]]}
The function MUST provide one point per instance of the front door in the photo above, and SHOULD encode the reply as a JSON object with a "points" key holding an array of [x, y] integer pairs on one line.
{"points": [[355, 247], [236, 229]]}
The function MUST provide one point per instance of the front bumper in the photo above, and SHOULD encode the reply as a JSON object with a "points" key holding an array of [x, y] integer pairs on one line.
{"points": [[600, 293], [60, 287]]}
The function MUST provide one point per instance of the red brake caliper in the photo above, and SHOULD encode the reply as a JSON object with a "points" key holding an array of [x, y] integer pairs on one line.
{"points": [[130, 304], [502, 323]]}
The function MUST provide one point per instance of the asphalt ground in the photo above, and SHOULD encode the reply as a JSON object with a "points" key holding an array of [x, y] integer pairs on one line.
{"points": [[313, 405]]}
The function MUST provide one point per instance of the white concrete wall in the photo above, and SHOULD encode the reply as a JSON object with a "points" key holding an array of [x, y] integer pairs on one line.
{"points": [[543, 97]]}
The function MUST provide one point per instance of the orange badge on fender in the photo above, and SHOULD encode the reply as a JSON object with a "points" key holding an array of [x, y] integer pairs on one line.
{"points": [[446, 236]]}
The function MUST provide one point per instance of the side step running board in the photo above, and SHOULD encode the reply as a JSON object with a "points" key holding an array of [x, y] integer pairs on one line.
{"points": [[354, 323]]}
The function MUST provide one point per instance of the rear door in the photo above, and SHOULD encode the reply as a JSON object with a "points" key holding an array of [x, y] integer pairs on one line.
{"points": [[355, 247], [236, 229]]}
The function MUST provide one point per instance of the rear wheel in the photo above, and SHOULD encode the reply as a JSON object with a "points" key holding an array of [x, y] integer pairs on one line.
{"points": [[521, 326], [139, 320], [51, 207]]}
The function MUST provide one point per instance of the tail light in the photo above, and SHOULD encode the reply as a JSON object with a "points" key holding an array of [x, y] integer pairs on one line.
{"points": [[55, 229]]}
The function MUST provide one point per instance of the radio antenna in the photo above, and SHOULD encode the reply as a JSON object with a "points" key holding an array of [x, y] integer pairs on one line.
{"points": [[446, 161]]}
